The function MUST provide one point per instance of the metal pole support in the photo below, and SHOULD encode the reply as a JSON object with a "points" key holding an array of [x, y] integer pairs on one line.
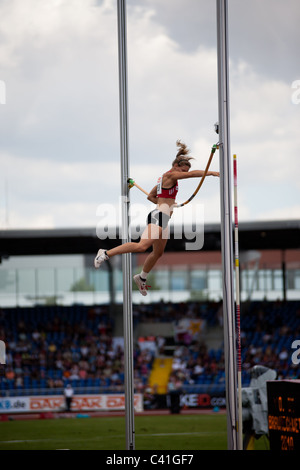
{"points": [[226, 226], [126, 258]]}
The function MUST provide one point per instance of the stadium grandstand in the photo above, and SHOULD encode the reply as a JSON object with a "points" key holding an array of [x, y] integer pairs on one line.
{"points": [[62, 321]]}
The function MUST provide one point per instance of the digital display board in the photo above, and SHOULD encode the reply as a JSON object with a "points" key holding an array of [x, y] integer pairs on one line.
{"points": [[284, 414]]}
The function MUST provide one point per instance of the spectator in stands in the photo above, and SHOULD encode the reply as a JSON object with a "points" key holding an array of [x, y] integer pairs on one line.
{"points": [[28, 355], [10, 374]]}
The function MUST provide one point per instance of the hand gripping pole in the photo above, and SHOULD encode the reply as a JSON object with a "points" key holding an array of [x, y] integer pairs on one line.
{"points": [[132, 183]]}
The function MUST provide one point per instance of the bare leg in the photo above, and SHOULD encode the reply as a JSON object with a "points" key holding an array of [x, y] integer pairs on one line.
{"points": [[149, 236], [158, 250], [130, 247], [158, 244]]}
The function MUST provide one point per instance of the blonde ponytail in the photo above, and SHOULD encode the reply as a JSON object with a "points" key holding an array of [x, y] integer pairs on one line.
{"points": [[181, 157]]}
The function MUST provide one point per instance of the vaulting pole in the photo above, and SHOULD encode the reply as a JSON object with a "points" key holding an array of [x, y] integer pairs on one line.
{"points": [[126, 258], [226, 226]]}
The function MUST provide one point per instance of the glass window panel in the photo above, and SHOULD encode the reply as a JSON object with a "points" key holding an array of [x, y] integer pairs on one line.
{"points": [[198, 279], [265, 280], [118, 280], [214, 280], [27, 281], [249, 279], [64, 279], [98, 279], [297, 279], [8, 281], [45, 282], [179, 280], [162, 279], [277, 276]]}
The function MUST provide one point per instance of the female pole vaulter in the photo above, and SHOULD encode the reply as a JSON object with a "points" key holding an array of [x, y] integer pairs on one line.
{"points": [[156, 232]]}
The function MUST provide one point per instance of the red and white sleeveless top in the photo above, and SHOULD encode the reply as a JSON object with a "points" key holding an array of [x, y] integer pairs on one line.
{"points": [[169, 193]]}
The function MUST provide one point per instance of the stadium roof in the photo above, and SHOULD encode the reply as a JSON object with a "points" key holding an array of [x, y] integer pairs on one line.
{"points": [[252, 236]]}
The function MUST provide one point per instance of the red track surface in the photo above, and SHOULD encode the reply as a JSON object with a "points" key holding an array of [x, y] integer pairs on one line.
{"points": [[99, 414]]}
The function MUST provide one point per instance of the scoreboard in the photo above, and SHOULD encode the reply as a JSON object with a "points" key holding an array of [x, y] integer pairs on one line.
{"points": [[284, 414]]}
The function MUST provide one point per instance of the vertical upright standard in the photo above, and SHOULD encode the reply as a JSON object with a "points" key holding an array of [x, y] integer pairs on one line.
{"points": [[226, 225], [237, 305], [126, 258]]}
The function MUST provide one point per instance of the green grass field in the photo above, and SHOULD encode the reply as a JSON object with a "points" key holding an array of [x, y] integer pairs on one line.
{"points": [[170, 432]]}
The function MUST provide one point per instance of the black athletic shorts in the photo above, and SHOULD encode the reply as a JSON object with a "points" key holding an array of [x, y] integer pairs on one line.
{"points": [[159, 218]]}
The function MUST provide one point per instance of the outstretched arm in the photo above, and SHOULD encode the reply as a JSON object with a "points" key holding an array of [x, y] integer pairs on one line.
{"points": [[180, 175]]}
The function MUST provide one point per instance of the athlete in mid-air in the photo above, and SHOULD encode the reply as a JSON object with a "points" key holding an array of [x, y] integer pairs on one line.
{"points": [[156, 232]]}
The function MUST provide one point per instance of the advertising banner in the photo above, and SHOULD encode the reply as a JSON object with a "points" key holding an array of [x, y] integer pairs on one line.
{"points": [[57, 403]]}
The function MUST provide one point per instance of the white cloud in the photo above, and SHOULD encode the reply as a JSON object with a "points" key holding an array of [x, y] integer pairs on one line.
{"points": [[61, 80], [265, 138], [285, 213], [55, 193], [59, 149]]}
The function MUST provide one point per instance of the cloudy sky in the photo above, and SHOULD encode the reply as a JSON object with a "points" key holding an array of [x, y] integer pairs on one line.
{"points": [[59, 106]]}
